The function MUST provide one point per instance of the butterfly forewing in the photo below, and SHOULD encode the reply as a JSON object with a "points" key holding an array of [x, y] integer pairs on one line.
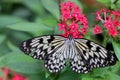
{"points": [[39, 47]]}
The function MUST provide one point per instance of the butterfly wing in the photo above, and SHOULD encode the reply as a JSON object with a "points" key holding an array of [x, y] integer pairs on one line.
{"points": [[88, 55], [52, 49], [39, 47]]}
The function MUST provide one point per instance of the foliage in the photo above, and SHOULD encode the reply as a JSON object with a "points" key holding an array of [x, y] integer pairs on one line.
{"points": [[24, 19]]}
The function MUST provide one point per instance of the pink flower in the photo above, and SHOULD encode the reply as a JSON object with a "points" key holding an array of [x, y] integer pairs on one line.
{"points": [[109, 25], [15, 76], [62, 26], [72, 20], [6, 71], [109, 20], [83, 31], [96, 30], [18, 77], [73, 26], [113, 32], [1, 78]]}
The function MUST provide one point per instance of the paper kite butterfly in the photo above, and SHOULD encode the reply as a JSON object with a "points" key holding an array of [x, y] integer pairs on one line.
{"points": [[83, 54]]}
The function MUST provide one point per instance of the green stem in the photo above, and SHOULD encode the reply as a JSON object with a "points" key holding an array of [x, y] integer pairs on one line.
{"points": [[106, 38]]}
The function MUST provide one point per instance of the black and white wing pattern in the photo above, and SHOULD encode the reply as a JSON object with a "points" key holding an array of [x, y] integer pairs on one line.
{"points": [[83, 54], [52, 49], [87, 55]]}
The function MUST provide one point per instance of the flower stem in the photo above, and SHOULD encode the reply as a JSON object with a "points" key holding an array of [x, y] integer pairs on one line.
{"points": [[105, 39]]}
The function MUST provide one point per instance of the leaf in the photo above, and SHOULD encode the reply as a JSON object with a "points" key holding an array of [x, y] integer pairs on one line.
{"points": [[113, 6], [6, 20], [12, 1], [112, 76], [77, 2], [116, 47], [47, 75], [47, 20], [52, 7], [19, 62], [37, 76], [104, 1], [87, 78], [2, 38], [12, 47], [29, 27], [68, 75], [34, 5]]}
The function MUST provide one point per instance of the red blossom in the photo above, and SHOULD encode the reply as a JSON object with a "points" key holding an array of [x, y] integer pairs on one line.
{"points": [[113, 32], [73, 22], [1, 78], [73, 26], [18, 77], [62, 26], [109, 25], [6, 71], [15, 76], [96, 30], [110, 21]]}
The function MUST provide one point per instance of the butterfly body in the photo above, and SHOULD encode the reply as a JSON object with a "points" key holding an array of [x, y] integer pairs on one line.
{"points": [[83, 54]]}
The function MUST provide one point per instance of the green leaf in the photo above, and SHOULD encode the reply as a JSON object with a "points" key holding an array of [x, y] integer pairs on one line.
{"points": [[112, 76], [116, 47], [37, 76], [115, 68], [19, 62], [52, 7], [47, 20], [6, 20], [47, 75], [113, 6], [2, 38], [68, 75], [104, 1], [12, 47], [29, 27], [78, 3], [34, 5], [87, 78], [12, 1]]}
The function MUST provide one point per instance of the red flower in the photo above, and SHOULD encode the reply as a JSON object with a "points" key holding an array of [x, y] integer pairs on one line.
{"points": [[7, 72], [73, 26], [113, 32], [72, 20], [18, 77], [62, 26], [96, 30], [109, 25], [109, 20]]}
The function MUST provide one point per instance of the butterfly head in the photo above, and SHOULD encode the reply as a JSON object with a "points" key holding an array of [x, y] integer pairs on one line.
{"points": [[70, 37]]}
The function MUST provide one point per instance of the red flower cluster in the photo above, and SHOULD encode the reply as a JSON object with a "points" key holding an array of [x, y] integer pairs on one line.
{"points": [[72, 21], [15, 76], [110, 21]]}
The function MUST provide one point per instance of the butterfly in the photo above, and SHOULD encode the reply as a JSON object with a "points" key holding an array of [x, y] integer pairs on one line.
{"points": [[83, 55]]}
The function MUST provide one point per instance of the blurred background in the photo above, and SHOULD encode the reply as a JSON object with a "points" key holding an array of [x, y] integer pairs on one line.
{"points": [[23, 19]]}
